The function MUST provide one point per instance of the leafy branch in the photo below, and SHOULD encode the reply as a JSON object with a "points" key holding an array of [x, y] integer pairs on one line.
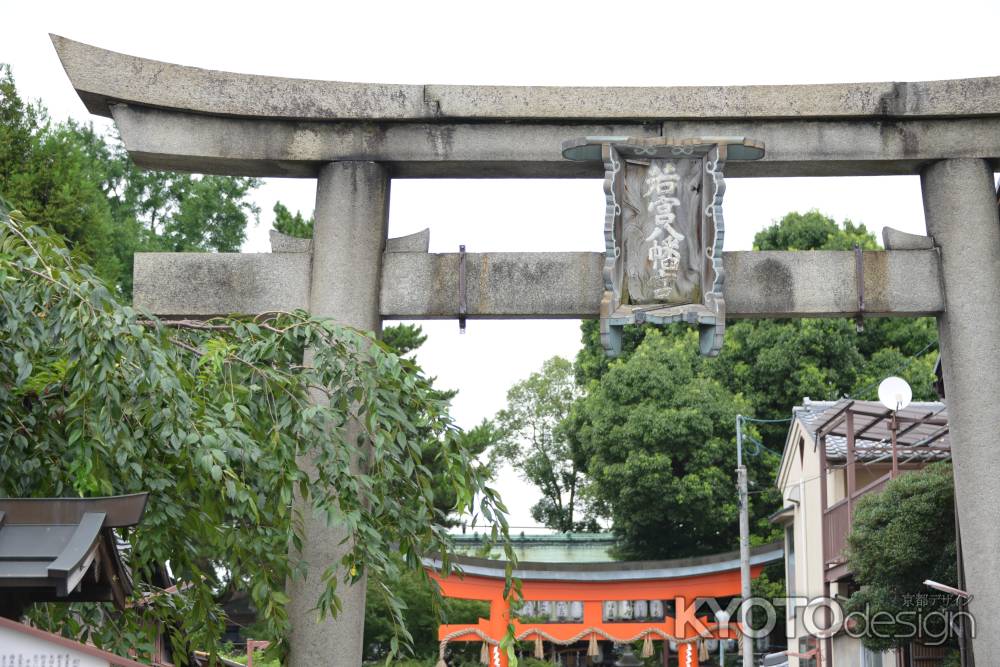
{"points": [[234, 437]]}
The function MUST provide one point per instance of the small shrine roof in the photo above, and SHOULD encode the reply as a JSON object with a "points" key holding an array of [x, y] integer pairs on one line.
{"points": [[64, 549]]}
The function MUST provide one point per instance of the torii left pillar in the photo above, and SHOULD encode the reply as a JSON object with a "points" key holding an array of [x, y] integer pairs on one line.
{"points": [[351, 221]]}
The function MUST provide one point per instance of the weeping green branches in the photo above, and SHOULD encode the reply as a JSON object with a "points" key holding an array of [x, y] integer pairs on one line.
{"points": [[213, 419]]}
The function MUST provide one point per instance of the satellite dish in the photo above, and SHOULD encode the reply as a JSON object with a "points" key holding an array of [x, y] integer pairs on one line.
{"points": [[894, 393]]}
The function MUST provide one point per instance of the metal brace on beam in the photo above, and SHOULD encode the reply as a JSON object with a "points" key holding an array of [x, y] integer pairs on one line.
{"points": [[859, 270], [463, 305]]}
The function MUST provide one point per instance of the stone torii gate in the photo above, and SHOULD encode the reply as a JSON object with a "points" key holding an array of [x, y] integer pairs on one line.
{"points": [[354, 138]]}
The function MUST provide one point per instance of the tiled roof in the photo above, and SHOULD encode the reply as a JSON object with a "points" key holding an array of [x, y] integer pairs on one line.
{"points": [[64, 549], [814, 414]]}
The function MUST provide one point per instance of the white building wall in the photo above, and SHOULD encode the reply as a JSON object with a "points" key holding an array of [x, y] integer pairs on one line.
{"points": [[799, 481]]}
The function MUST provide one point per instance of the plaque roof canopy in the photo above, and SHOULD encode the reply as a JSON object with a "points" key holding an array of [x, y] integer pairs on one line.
{"points": [[64, 549]]}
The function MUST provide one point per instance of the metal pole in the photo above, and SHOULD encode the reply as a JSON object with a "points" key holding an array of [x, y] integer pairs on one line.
{"points": [[895, 456], [741, 478]]}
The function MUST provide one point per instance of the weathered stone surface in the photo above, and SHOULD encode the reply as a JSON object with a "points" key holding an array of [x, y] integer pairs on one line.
{"points": [[160, 139], [758, 284], [502, 284], [824, 284], [837, 100], [861, 147], [418, 285], [961, 210], [206, 284], [894, 239], [285, 243], [415, 242], [352, 213], [102, 76]]}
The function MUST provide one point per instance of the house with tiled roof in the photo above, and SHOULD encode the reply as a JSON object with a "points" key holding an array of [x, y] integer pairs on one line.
{"points": [[835, 453]]}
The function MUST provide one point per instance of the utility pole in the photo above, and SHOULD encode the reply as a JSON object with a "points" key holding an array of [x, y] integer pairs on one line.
{"points": [[741, 479]]}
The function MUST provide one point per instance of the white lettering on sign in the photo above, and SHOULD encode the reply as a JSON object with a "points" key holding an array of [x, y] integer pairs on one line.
{"points": [[37, 659], [661, 190], [18, 649]]}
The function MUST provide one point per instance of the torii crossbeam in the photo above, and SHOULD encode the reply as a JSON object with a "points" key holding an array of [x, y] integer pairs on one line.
{"points": [[354, 138]]}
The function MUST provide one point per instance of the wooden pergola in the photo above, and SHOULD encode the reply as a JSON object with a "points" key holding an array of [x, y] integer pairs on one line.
{"points": [[861, 436]]}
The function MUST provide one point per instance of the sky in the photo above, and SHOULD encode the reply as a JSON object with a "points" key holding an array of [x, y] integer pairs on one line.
{"points": [[518, 42]]}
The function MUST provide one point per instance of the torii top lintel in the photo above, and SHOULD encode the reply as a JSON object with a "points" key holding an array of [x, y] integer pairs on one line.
{"points": [[187, 118], [103, 77]]}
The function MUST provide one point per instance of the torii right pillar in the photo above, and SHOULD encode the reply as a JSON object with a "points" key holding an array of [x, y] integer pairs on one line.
{"points": [[960, 205]]}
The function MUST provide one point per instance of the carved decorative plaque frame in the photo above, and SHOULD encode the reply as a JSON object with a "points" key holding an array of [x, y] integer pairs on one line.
{"points": [[663, 231]]}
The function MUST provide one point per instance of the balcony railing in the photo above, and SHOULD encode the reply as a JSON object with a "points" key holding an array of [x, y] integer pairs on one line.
{"points": [[837, 521]]}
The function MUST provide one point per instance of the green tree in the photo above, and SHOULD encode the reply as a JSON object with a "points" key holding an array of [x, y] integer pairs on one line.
{"points": [[212, 419], [657, 435], [422, 614], [899, 538], [293, 225], [404, 338], [767, 366], [813, 231], [86, 188], [532, 441]]}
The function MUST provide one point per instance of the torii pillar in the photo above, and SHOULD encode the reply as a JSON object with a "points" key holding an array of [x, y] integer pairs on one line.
{"points": [[960, 207], [351, 221]]}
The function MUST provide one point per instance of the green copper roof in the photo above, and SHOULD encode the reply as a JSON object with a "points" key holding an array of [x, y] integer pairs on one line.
{"points": [[548, 548]]}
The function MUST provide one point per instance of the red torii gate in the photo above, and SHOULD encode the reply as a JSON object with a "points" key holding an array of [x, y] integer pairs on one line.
{"points": [[592, 589]]}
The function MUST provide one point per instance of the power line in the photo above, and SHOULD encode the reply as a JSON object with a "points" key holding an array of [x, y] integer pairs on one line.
{"points": [[765, 421], [898, 369], [759, 445]]}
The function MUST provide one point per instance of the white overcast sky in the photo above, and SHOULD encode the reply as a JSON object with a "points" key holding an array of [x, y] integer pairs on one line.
{"points": [[531, 43]]}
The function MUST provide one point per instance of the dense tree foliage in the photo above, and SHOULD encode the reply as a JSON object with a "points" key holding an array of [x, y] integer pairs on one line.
{"points": [[765, 368], [775, 363], [533, 442], [417, 592], [291, 224], [813, 231], [85, 187], [657, 438], [899, 538], [212, 420]]}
